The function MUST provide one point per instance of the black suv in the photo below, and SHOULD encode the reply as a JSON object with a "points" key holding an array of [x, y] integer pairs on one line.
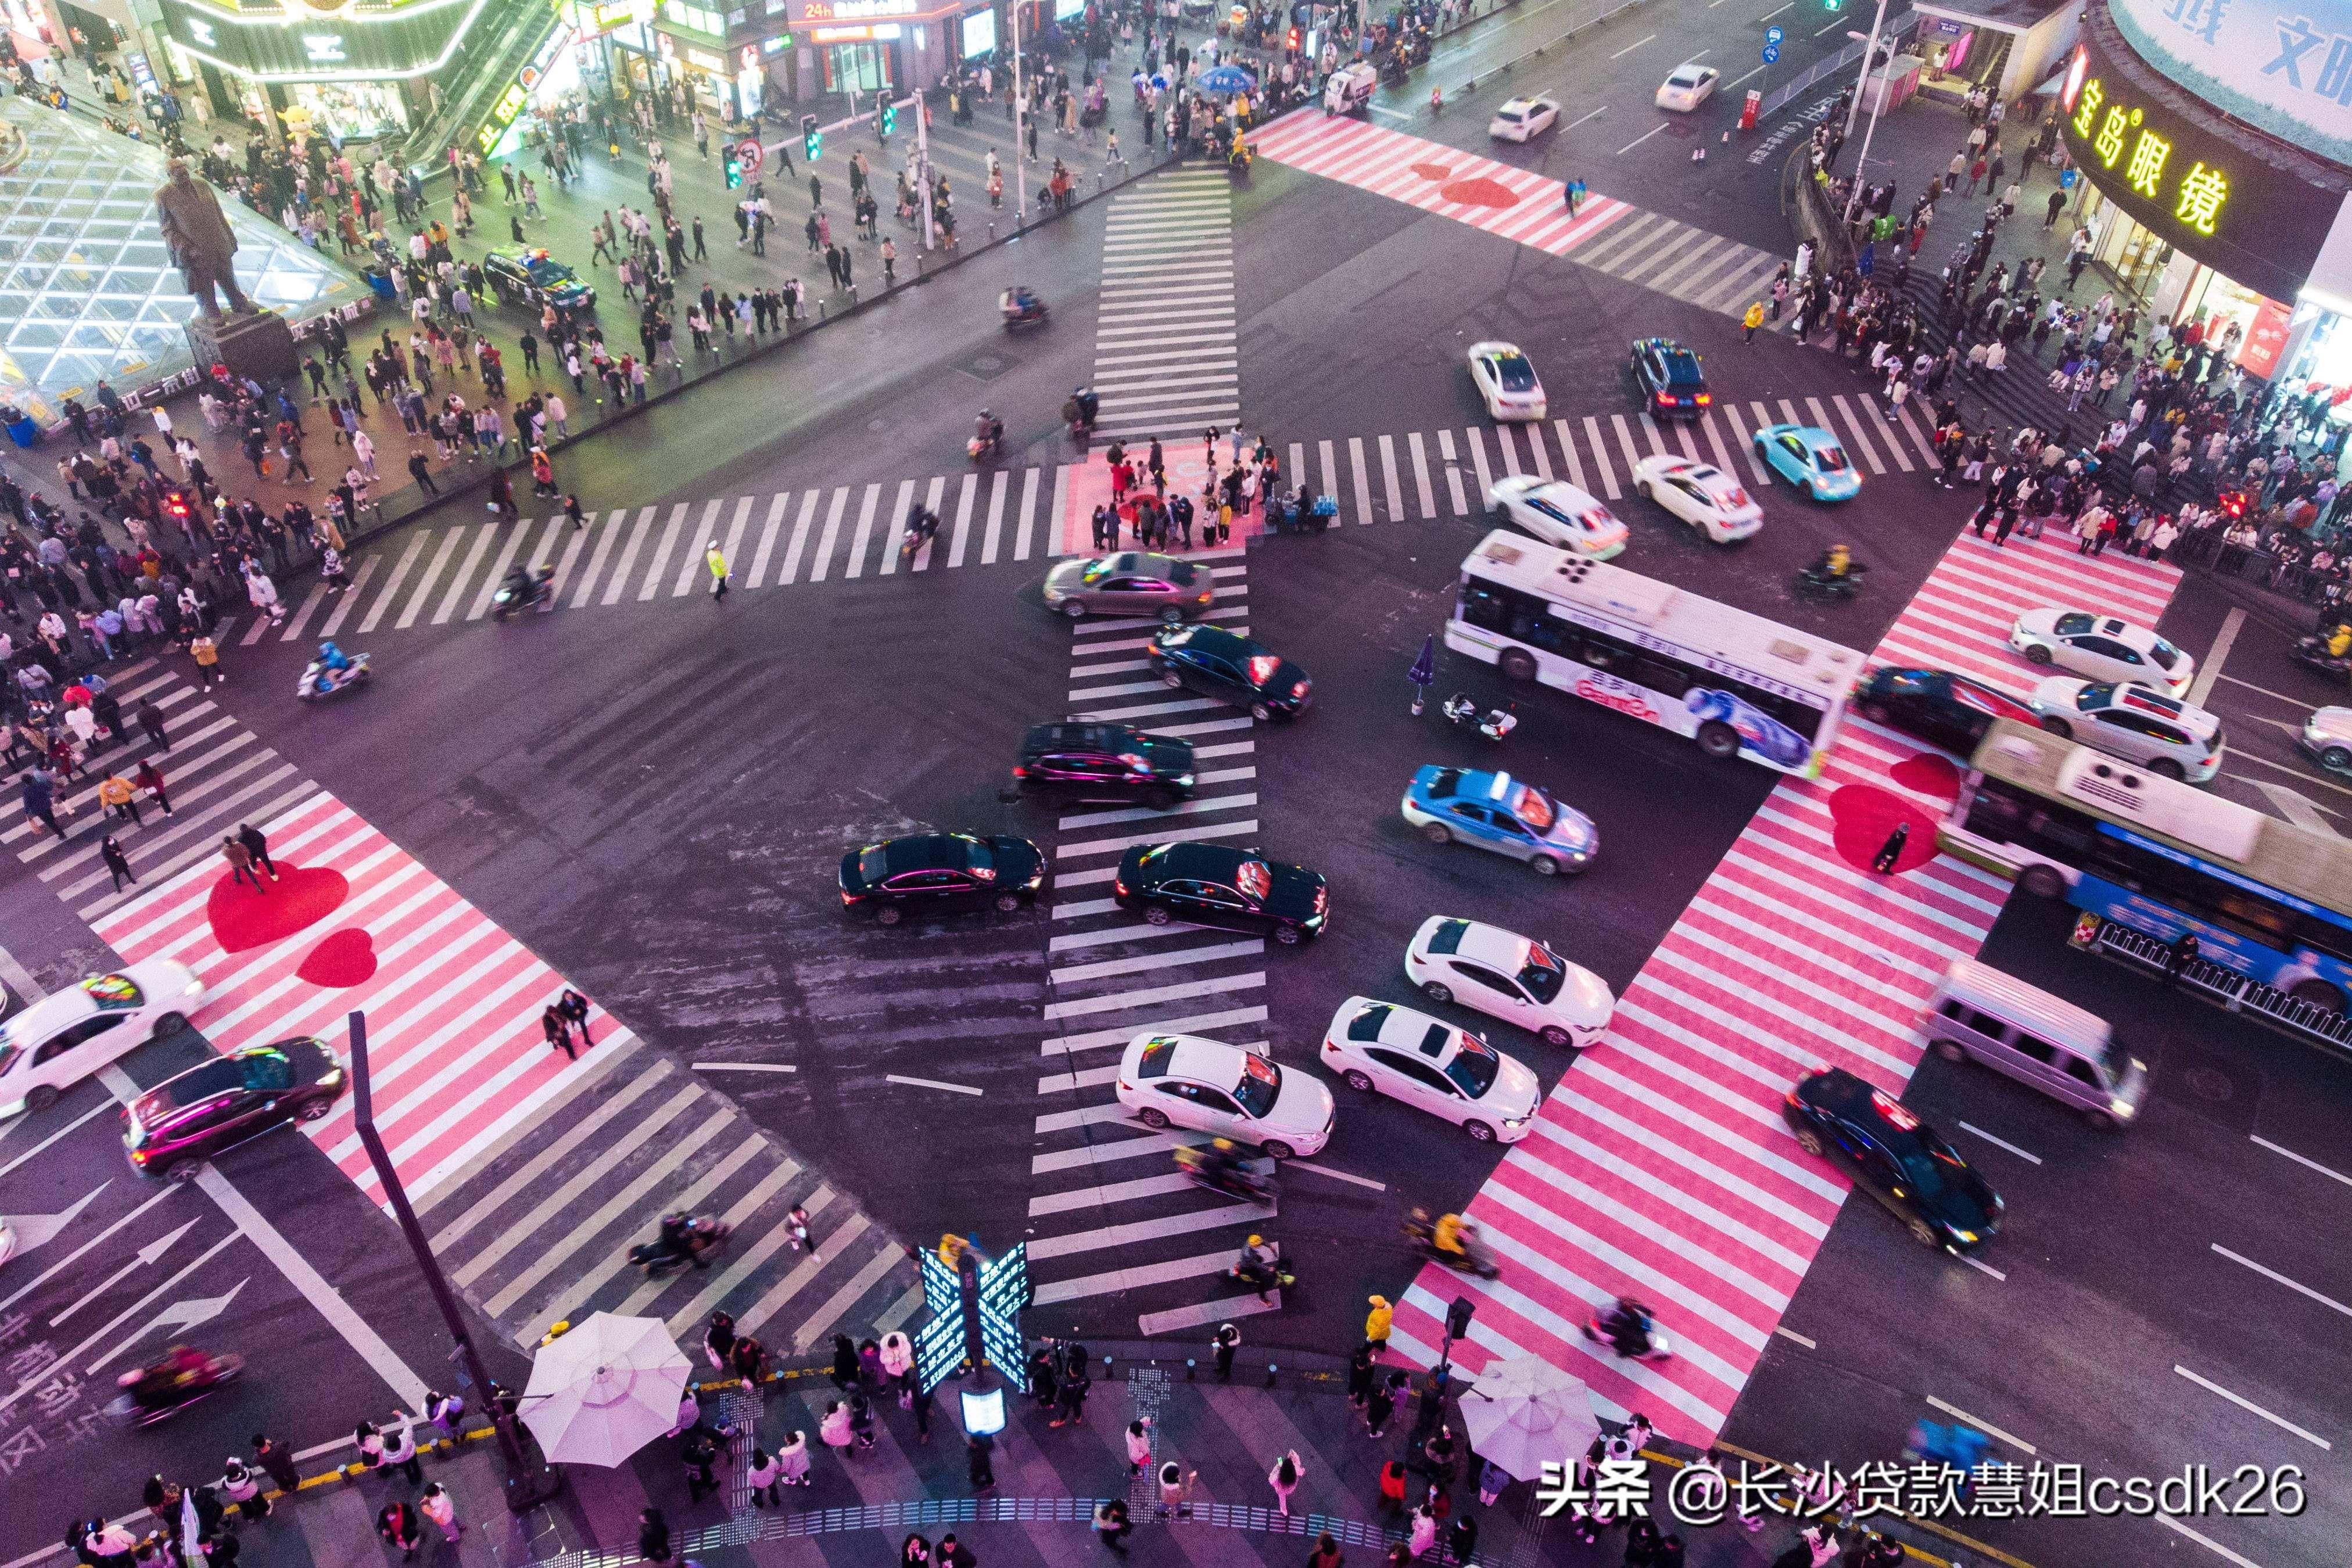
{"points": [[1895, 1157], [186, 1120], [1076, 761], [1214, 884], [1673, 386]]}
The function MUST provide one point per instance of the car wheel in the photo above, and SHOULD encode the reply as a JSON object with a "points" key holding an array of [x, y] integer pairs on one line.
{"points": [[1543, 865], [1553, 1034], [317, 1109], [1436, 834], [1718, 739], [1171, 679], [2318, 994], [1811, 494], [170, 1023], [1006, 903], [1170, 616], [1876, 713], [1161, 798], [1518, 666], [1152, 1116], [888, 914], [2166, 768], [2037, 654], [181, 1172], [1809, 1140], [1261, 712], [1288, 935], [1950, 1050], [1479, 1132], [1074, 610], [1641, 488], [2058, 726], [1360, 1082], [1155, 915], [2337, 758], [1437, 992], [41, 1098], [2041, 882], [1276, 1150], [1924, 1234], [2100, 1120]]}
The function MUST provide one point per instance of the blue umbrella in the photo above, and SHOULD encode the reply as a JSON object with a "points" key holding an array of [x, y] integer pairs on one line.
{"points": [[1424, 672], [1228, 79]]}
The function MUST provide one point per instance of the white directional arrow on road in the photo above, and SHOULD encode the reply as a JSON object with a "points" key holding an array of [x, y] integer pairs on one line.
{"points": [[39, 1229], [145, 1258], [188, 1314]]}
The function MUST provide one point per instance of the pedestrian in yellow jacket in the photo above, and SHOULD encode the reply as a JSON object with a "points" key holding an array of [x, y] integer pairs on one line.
{"points": [[1376, 1323], [1753, 319]]}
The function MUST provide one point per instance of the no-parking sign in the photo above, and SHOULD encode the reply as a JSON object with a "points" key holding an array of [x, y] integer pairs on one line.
{"points": [[750, 154]]}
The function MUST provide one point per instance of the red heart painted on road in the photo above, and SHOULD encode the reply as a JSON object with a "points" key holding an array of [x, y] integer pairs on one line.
{"points": [[346, 957], [302, 895], [1480, 191], [1864, 817], [1927, 774], [1433, 171]]}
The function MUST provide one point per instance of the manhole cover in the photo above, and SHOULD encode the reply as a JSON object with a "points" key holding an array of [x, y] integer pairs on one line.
{"points": [[2207, 1084], [985, 367]]}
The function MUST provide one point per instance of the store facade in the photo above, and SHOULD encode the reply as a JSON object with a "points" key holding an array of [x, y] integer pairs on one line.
{"points": [[2009, 46], [2205, 218], [350, 67], [741, 57]]}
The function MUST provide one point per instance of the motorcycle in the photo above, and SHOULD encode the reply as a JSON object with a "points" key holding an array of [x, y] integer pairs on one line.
{"points": [[1238, 159], [987, 441], [1276, 1275], [1018, 312], [2312, 653], [535, 593], [1302, 514], [1629, 1323], [1080, 410], [317, 681], [1474, 1259], [152, 1393], [1251, 1180], [920, 530], [1494, 724], [1820, 584], [692, 1242]]}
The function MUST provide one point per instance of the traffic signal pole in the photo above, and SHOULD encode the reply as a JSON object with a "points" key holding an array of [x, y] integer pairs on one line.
{"points": [[1861, 86], [923, 166], [1020, 109]]}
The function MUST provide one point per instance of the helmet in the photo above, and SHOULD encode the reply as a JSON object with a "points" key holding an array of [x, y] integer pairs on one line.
{"points": [[1257, 1241]]}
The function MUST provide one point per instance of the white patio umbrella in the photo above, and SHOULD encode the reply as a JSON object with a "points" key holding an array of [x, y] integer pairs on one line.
{"points": [[604, 1390], [1524, 1412]]}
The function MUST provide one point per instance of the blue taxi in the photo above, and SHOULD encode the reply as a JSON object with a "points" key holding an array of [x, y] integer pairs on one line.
{"points": [[1812, 459], [1495, 812]]}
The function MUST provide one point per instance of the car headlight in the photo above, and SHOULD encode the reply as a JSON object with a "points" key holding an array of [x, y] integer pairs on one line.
{"points": [[195, 988], [1964, 1236], [1183, 780], [2122, 1110]]}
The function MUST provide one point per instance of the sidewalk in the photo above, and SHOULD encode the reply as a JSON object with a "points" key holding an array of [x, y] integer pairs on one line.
{"points": [[857, 1509]]}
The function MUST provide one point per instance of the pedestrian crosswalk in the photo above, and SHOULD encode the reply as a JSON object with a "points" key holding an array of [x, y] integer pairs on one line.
{"points": [[1165, 357], [1660, 1168], [445, 574], [1108, 1212], [1527, 208], [536, 1171]]}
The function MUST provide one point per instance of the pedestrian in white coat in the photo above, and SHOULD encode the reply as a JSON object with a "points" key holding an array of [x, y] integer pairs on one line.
{"points": [[400, 1448], [1138, 1445], [438, 1506]]}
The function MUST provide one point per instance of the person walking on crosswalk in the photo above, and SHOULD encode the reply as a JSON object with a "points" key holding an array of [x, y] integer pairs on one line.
{"points": [[718, 577], [1753, 319]]}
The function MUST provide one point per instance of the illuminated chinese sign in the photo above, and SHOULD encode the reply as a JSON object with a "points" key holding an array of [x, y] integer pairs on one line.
{"points": [[331, 41], [517, 96], [2255, 222]]}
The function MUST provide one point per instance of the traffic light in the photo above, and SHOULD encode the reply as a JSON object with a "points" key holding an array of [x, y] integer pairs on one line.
{"points": [[1290, 41], [812, 139], [1832, 6], [734, 170], [886, 120], [1457, 1316]]}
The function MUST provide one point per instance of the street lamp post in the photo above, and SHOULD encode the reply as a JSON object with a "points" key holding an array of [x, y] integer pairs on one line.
{"points": [[530, 1481], [1020, 109], [923, 161], [1861, 86]]}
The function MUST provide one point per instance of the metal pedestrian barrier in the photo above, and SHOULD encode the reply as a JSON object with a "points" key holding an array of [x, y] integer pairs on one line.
{"points": [[2233, 992]]}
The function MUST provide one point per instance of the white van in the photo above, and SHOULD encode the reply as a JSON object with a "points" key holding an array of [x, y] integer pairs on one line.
{"points": [[2039, 1040], [1350, 89]]}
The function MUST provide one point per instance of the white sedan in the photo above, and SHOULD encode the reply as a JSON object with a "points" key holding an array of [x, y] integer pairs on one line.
{"points": [[1506, 381], [1523, 118], [1687, 87], [1381, 1048], [1509, 977], [61, 1039], [1560, 515], [1183, 1081], [1701, 494], [2102, 648]]}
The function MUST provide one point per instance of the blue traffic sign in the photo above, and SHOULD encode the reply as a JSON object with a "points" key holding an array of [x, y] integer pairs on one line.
{"points": [[1771, 53], [1773, 35]]}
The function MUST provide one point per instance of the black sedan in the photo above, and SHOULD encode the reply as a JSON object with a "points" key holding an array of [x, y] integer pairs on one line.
{"points": [[1077, 761], [1211, 885], [941, 873], [176, 1126], [1895, 1157], [1937, 707], [1671, 385], [1220, 663]]}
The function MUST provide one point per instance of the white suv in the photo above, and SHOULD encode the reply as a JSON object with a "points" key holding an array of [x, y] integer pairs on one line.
{"points": [[2137, 723]]}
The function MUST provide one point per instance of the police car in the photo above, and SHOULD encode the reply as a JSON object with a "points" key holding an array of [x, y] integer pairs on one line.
{"points": [[526, 275], [1495, 812]]}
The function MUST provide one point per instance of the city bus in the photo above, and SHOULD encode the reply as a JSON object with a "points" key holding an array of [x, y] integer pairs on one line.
{"points": [[2266, 899], [1738, 685]]}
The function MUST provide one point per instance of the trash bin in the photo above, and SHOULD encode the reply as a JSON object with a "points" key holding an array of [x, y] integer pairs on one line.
{"points": [[25, 432]]}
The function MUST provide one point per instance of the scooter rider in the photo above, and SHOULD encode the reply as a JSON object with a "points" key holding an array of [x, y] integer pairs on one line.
{"points": [[1022, 300], [2339, 641], [1454, 1236], [332, 660], [1082, 409], [1836, 562], [989, 431], [1627, 1325], [1255, 1266]]}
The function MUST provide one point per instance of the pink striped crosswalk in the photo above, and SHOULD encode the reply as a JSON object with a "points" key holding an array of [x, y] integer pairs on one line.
{"points": [[453, 1002], [1661, 1167], [1514, 204]]}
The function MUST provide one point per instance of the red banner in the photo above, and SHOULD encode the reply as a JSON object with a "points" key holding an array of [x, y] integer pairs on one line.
{"points": [[2266, 340]]}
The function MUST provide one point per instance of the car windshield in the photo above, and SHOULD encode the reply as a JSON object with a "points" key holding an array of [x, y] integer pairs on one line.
{"points": [[1929, 1162], [1260, 1087], [1533, 807], [1158, 1053], [2071, 624], [1509, 116], [1183, 572], [266, 1071], [2096, 695], [1447, 938], [2165, 653], [1473, 1067], [874, 862], [113, 993], [1514, 373], [1683, 78], [1830, 456], [1682, 370], [1098, 569], [1366, 1025], [1253, 879], [1541, 973]]}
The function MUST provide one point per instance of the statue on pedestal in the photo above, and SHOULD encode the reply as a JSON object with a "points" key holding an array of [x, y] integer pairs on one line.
{"points": [[200, 243]]}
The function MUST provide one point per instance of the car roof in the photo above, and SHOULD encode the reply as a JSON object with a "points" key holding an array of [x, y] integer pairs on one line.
{"points": [[1492, 945], [1216, 637], [1190, 857], [1689, 74], [1496, 348], [1078, 731], [2131, 696], [926, 851], [1206, 1061], [1562, 493], [1856, 1100], [50, 1014]]}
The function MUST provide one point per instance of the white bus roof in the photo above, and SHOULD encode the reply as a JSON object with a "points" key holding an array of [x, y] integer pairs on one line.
{"points": [[1648, 611]]}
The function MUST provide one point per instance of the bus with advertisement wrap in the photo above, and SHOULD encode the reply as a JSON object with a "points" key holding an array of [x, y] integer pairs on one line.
{"points": [[1738, 685]]}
